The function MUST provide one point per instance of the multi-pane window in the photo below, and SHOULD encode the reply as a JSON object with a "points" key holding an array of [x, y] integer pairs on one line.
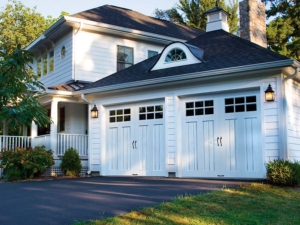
{"points": [[176, 54], [124, 57], [152, 53], [119, 115], [45, 64], [240, 104], [151, 112], [199, 108]]}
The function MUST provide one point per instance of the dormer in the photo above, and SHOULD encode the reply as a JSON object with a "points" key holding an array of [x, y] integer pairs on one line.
{"points": [[178, 54], [217, 19]]}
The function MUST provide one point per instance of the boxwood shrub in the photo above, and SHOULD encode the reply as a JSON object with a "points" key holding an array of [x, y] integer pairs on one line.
{"points": [[21, 163], [283, 172], [71, 163]]}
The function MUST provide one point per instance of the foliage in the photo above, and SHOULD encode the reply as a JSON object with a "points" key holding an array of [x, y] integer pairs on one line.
{"points": [[70, 162], [249, 204], [21, 25], [25, 163], [19, 103], [283, 32], [283, 172], [193, 13]]}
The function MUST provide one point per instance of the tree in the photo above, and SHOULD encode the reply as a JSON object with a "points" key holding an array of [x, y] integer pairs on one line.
{"points": [[21, 25], [283, 32], [193, 13], [19, 103]]}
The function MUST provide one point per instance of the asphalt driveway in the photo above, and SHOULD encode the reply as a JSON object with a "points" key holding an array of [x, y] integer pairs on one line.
{"points": [[63, 201]]}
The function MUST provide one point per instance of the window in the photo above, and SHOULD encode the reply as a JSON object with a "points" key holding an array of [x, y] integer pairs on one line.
{"points": [[51, 61], [151, 53], [119, 115], [63, 52], [45, 64], [62, 119], [199, 108], [240, 104], [39, 67], [151, 112], [124, 57], [176, 54], [46, 129]]}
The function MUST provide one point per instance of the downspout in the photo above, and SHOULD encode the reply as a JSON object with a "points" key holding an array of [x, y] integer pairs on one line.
{"points": [[89, 141], [286, 152], [74, 49]]}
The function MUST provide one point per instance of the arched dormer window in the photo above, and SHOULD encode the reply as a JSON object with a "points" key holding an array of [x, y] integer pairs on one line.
{"points": [[176, 54]]}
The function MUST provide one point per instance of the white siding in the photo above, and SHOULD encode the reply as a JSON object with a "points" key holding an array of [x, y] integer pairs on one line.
{"points": [[96, 54], [170, 128], [75, 118], [293, 119], [271, 123], [62, 67]]}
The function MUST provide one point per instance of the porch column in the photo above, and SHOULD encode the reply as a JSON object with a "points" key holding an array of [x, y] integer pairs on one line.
{"points": [[53, 126], [34, 133]]}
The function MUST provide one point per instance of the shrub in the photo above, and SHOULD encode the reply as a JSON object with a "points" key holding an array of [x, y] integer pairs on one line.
{"points": [[70, 163], [283, 172], [25, 163]]}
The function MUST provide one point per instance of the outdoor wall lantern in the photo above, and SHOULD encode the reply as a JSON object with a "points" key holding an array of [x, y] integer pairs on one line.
{"points": [[94, 112], [269, 94]]}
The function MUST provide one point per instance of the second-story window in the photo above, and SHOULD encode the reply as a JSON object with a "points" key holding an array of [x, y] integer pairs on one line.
{"points": [[152, 53], [45, 64], [124, 57]]}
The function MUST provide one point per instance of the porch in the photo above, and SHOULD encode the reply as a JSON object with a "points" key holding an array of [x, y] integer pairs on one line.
{"points": [[64, 141]]}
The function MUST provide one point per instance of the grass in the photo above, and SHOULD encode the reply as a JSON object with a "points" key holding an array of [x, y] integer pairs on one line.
{"points": [[249, 204]]}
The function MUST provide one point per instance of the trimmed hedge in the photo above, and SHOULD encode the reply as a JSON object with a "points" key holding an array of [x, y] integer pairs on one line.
{"points": [[71, 163], [283, 172], [25, 163]]}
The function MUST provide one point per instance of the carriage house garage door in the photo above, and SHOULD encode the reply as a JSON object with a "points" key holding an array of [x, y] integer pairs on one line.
{"points": [[222, 136], [135, 140]]}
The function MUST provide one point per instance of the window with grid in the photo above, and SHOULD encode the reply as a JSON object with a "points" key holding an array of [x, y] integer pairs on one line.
{"points": [[199, 108], [240, 104], [119, 115], [151, 112]]}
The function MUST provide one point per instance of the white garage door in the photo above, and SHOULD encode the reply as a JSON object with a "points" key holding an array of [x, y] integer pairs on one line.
{"points": [[135, 140], [222, 136]]}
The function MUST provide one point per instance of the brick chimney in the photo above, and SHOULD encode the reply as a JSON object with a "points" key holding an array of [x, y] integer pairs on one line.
{"points": [[253, 21]]}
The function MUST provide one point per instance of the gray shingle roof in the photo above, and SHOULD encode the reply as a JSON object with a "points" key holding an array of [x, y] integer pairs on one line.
{"points": [[130, 19], [221, 50]]}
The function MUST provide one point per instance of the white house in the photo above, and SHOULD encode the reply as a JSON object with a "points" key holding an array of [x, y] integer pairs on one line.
{"points": [[171, 100]]}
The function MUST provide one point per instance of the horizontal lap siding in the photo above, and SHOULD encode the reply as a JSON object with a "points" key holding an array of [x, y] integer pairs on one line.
{"points": [[293, 119], [62, 67], [271, 124], [96, 54]]}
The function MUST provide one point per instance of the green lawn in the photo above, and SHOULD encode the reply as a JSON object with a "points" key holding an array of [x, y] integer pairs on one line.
{"points": [[249, 204]]}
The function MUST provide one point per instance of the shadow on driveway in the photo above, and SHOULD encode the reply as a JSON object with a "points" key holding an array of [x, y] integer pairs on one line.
{"points": [[63, 201]]}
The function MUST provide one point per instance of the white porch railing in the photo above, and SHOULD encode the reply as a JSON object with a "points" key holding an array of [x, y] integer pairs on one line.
{"points": [[43, 140], [76, 141], [13, 142]]}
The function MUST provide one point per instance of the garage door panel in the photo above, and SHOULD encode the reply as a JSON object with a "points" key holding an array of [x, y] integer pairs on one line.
{"points": [[208, 145], [251, 144], [230, 142], [113, 148], [158, 147], [191, 144], [126, 149], [143, 147]]}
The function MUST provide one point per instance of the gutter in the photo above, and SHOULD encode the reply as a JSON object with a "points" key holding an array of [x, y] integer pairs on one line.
{"points": [[84, 99], [182, 77]]}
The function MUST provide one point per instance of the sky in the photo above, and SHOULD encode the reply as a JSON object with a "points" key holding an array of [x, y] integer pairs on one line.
{"points": [[54, 7]]}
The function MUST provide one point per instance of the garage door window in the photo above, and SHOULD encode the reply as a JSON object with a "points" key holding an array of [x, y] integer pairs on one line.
{"points": [[240, 104], [199, 108], [119, 115], [151, 112]]}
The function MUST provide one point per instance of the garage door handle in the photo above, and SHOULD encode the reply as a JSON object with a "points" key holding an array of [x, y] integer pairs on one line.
{"points": [[221, 140], [218, 140], [133, 144]]}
